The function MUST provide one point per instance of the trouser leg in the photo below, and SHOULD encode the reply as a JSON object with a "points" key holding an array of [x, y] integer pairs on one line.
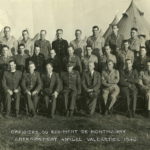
{"points": [[35, 99], [148, 100], [72, 100], [91, 104], [113, 96], [134, 95], [17, 102], [126, 94], [53, 106], [65, 94], [8, 103], [46, 100], [105, 95], [30, 104]]}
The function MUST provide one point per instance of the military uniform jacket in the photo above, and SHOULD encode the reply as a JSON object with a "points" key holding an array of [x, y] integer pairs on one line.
{"points": [[128, 77], [140, 63], [115, 41], [45, 47], [145, 77], [21, 61], [31, 82], [60, 46], [11, 80], [134, 44], [4, 61], [51, 84], [122, 56], [73, 59], [56, 63], [93, 82], [39, 61], [79, 47], [110, 78], [71, 81]]}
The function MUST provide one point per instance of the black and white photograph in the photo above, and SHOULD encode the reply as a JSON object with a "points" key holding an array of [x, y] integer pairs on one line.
{"points": [[74, 74]]}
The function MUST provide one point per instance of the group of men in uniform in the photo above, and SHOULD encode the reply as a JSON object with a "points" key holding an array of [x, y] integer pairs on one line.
{"points": [[92, 71]]}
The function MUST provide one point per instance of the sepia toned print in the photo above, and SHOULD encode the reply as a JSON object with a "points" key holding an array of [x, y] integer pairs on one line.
{"points": [[75, 75]]}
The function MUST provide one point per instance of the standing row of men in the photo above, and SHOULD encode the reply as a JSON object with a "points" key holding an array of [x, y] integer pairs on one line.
{"points": [[106, 68]]}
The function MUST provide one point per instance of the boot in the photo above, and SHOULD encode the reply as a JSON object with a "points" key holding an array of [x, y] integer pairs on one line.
{"points": [[67, 113], [71, 113]]}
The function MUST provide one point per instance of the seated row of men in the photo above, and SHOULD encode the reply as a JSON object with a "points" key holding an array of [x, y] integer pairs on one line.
{"points": [[92, 85]]}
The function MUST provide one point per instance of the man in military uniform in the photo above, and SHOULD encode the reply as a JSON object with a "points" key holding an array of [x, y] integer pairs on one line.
{"points": [[140, 61], [10, 41], [134, 41], [144, 82], [11, 85], [4, 59], [60, 45], [128, 80], [38, 59], [27, 42], [105, 57], [96, 41], [73, 59], [71, 83], [89, 57], [91, 82], [55, 61], [78, 44], [115, 39], [124, 54], [21, 58], [44, 44], [31, 85], [51, 89], [110, 79]]}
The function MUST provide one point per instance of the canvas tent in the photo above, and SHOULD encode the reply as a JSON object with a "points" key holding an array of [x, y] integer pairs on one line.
{"points": [[133, 17], [109, 30]]}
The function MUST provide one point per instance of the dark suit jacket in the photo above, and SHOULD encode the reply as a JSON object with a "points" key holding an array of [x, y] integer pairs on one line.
{"points": [[95, 84], [11, 80], [71, 81], [52, 84], [31, 82]]}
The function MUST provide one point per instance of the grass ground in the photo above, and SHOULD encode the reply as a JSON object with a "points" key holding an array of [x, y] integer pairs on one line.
{"points": [[137, 131]]}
